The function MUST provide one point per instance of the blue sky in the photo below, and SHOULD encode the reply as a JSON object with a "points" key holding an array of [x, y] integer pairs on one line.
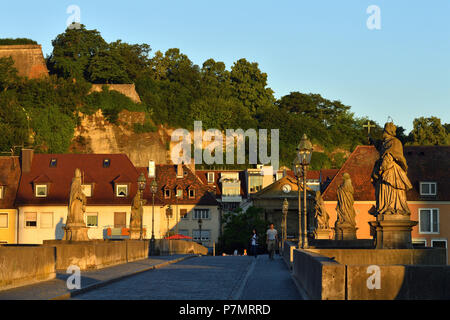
{"points": [[318, 46]]}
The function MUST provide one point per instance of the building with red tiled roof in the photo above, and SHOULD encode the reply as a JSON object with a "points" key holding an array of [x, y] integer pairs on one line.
{"points": [[429, 200], [110, 184], [9, 182]]}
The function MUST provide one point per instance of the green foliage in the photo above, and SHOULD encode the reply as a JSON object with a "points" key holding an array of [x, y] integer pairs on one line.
{"points": [[144, 128], [48, 121], [429, 131], [338, 160], [8, 74], [17, 41], [111, 103], [238, 229], [13, 122], [320, 160]]}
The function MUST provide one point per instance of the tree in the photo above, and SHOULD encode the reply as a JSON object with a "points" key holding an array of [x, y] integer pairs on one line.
{"points": [[238, 229], [134, 58], [250, 85], [429, 131], [8, 74], [107, 66], [13, 122], [73, 51]]}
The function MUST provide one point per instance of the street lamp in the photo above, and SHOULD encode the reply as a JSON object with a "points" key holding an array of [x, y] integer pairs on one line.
{"points": [[141, 185], [153, 189], [200, 222], [284, 224], [168, 216], [301, 163]]}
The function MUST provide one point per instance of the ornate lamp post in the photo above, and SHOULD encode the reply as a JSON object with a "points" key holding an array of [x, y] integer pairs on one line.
{"points": [[284, 224], [141, 185], [301, 163], [176, 221], [200, 222], [153, 189]]}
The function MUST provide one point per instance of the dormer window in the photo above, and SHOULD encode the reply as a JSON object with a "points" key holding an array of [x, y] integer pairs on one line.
{"points": [[167, 193], [428, 188], [87, 190], [179, 193], [41, 190], [106, 163], [53, 163], [210, 177], [2, 192], [122, 190], [191, 193]]}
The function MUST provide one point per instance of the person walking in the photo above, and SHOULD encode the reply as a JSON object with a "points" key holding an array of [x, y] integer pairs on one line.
{"points": [[254, 243], [272, 237]]}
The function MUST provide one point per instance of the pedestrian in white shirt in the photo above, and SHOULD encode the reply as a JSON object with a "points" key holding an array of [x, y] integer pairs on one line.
{"points": [[272, 237]]}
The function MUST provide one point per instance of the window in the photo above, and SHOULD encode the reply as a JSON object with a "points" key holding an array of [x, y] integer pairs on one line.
{"points": [[30, 220], [122, 190], [53, 163], [211, 177], [428, 220], [439, 243], [184, 214], [428, 188], [41, 190], [231, 191], [3, 220], [256, 182], [2, 192], [92, 220], [106, 163], [206, 235], [120, 219], [46, 220], [180, 193], [167, 193], [87, 190], [191, 193], [419, 243], [201, 214]]}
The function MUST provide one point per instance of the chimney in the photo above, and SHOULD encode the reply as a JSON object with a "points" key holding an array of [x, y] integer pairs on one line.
{"points": [[27, 159], [151, 169], [180, 171]]}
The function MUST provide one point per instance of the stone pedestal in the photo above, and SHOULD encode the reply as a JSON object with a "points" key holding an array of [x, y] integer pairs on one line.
{"points": [[135, 233], [393, 231], [76, 232], [344, 232], [322, 234]]}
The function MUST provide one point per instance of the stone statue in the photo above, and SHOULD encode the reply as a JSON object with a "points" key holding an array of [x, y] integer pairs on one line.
{"points": [[321, 215], [76, 229], [393, 226], [345, 212], [345, 226], [389, 175], [135, 217]]}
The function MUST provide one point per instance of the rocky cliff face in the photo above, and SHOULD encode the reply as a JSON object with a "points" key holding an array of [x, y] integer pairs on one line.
{"points": [[96, 135]]}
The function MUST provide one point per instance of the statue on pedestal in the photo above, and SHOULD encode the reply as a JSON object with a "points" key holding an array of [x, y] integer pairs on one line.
{"points": [[389, 176], [322, 219], [135, 217], [75, 229], [345, 226]]}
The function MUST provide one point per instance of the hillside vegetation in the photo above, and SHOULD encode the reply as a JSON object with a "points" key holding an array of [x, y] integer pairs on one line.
{"points": [[175, 92]]}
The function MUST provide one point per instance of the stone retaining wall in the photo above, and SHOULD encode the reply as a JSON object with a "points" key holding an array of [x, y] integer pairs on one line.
{"points": [[21, 266], [97, 254], [353, 274]]}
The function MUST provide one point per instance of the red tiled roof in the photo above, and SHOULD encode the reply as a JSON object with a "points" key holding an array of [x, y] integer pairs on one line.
{"points": [[166, 177], [9, 178], [317, 174], [60, 178], [425, 163]]}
